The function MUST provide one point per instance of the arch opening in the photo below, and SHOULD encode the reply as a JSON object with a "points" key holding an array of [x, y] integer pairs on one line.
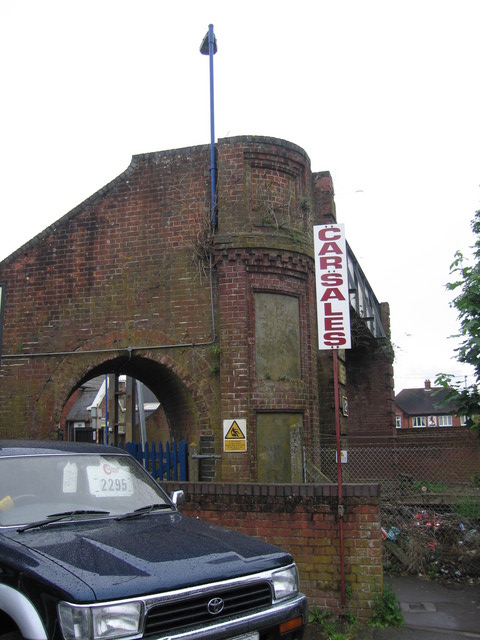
{"points": [[129, 399]]}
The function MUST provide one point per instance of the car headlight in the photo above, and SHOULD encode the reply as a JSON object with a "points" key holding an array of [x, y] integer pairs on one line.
{"points": [[100, 623], [285, 582]]}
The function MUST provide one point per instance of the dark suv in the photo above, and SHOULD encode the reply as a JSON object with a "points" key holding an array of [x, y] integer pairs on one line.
{"points": [[92, 548]]}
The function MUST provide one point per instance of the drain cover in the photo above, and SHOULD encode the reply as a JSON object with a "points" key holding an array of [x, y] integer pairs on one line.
{"points": [[417, 607]]}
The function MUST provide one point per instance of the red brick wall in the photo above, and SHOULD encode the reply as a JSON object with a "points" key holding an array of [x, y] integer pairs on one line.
{"points": [[452, 453], [303, 520], [448, 455], [119, 285], [264, 243], [369, 389], [241, 275], [110, 279]]}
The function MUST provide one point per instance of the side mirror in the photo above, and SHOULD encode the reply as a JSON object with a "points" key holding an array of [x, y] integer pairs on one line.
{"points": [[178, 498]]}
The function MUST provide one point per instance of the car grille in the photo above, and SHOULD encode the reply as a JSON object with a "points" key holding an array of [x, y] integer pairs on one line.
{"points": [[194, 611]]}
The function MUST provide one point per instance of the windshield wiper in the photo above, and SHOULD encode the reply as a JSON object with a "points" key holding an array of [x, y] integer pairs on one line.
{"points": [[143, 510], [78, 512], [57, 517]]}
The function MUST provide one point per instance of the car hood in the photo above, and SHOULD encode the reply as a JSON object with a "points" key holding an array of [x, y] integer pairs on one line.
{"points": [[149, 554]]}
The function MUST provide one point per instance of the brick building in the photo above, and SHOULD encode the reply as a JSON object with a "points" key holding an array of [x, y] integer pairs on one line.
{"points": [[426, 408], [220, 326]]}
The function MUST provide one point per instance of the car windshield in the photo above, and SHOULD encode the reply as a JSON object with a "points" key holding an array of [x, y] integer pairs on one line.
{"points": [[38, 487]]}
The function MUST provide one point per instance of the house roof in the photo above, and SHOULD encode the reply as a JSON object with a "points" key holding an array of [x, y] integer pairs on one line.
{"points": [[424, 402], [87, 394]]}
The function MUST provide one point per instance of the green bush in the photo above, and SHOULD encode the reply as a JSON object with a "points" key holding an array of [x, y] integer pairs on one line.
{"points": [[386, 609], [331, 627], [469, 508]]}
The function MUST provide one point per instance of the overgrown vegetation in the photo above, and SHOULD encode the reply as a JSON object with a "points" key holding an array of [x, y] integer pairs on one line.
{"points": [[386, 613], [202, 246], [469, 508], [467, 302], [214, 351], [432, 487], [330, 626], [386, 609]]}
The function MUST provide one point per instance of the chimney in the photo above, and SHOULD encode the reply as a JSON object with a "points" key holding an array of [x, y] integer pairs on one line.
{"points": [[428, 385]]}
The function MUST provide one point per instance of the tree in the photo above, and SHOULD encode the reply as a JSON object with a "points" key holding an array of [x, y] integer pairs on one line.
{"points": [[467, 302]]}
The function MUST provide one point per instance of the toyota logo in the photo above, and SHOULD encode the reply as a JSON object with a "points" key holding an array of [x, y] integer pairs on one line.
{"points": [[215, 606]]}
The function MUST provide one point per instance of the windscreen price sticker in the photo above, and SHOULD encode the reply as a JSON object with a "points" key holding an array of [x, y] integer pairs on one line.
{"points": [[109, 480]]}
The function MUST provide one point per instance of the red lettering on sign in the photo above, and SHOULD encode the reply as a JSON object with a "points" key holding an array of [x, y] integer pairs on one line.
{"points": [[334, 339], [333, 233], [330, 312], [332, 287], [330, 247], [333, 262], [332, 293], [330, 279], [331, 324]]}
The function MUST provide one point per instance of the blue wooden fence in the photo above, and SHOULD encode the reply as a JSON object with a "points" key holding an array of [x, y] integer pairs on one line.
{"points": [[163, 462]]}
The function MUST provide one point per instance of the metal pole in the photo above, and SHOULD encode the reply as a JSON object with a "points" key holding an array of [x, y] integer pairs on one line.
{"points": [[341, 508], [141, 416], [211, 52], [209, 47], [105, 433]]}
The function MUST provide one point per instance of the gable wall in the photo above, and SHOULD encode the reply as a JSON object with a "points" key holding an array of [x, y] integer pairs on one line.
{"points": [[116, 273], [121, 284]]}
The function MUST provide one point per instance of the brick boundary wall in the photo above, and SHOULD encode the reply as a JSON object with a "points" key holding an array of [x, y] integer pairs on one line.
{"points": [[302, 519]]}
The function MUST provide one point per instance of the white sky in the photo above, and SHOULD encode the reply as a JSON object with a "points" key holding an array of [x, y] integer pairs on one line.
{"points": [[383, 94]]}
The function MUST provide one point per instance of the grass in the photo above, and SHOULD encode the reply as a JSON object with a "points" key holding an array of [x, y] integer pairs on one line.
{"points": [[386, 610], [469, 508], [331, 627], [431, 487], [385, 613]]}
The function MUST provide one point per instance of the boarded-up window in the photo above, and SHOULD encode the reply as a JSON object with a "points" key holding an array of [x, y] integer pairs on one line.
{"points": [[277, 336], [279, 447]]}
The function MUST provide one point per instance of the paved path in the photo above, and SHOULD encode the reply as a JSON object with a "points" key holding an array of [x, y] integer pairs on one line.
{"points": [[445, 612], [431, 611]]}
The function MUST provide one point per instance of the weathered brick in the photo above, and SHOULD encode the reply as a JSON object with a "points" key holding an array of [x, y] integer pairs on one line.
{"points": [[311, 537]]}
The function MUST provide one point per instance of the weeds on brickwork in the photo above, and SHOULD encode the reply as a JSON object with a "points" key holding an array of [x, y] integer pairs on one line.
{"points": [[214, 351], [386, 613], [202, 246], [386, 610], [330, 627]]}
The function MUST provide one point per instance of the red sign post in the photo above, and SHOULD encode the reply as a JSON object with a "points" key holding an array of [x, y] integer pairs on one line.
{"points": [[333, 316], [2, 290]]}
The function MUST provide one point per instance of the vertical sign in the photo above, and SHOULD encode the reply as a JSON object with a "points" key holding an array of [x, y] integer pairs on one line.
{"points": [[331, 276], [2, 290]]}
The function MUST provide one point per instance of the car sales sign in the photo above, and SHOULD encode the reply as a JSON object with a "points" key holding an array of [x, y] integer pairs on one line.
{"points": [[331, 276]]}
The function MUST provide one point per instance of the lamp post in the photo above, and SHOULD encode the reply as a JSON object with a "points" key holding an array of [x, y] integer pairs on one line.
{"points": [[209, 48]]}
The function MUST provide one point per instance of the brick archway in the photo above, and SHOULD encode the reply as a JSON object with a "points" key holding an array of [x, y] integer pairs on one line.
{"points": [[183, 403]]}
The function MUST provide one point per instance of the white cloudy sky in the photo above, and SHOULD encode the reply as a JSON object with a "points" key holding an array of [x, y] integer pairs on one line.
{"points": [[383, 94]]}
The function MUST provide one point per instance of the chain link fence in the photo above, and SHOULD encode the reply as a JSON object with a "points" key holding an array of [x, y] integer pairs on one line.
{"points": [[430, 504]]}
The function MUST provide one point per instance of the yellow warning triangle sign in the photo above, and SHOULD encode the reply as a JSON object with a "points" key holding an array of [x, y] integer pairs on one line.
{"points": [[234, 433]]}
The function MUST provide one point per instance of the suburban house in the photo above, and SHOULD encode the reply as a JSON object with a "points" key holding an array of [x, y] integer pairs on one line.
{"points": [[425, 408], [85, 417]]}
